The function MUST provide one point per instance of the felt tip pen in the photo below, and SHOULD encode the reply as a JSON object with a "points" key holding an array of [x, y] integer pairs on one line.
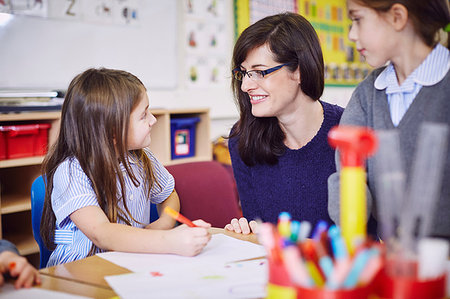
{"points": [[284, 223], [296, 267], [305, 228], [325, 261], [177, 216], [295, 230], [337, 243], [372, 268], [359, 263], [321, 226]]}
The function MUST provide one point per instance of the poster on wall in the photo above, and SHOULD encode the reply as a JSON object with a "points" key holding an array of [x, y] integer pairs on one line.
{"points": [[205, 43], [344, 66], [37, 8], [107, 12]]}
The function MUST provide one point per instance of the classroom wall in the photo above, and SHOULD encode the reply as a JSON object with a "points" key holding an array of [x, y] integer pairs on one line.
{"points": [[46, 53]]}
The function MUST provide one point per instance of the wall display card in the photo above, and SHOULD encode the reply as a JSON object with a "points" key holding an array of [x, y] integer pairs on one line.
{"points": [[5, 7], [29, 7], [67, 10], [263, 8], [205, 39]]}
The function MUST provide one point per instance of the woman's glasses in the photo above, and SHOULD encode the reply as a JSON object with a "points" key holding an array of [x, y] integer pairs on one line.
{"points": [[239, 74]]}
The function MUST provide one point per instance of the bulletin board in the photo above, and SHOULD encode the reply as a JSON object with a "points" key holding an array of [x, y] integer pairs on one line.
{"points": [[343, 64], [45, 43]]}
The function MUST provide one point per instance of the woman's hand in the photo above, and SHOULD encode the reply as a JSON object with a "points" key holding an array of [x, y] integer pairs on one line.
{"points": [[190, 241], [242, 226], [18, 267]]}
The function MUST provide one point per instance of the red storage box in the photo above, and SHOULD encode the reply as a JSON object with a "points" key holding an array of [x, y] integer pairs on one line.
{"points": [[19, 141]]}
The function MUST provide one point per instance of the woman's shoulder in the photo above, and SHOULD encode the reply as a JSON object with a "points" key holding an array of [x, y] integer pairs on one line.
{"points": [[332, 112]]}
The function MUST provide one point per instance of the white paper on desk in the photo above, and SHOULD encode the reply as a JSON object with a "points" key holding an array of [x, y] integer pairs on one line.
{"points": [[220, 250], [245, 279], [8, 291]]}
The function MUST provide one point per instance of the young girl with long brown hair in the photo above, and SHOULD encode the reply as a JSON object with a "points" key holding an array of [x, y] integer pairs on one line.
{"points": [[101, 178]]}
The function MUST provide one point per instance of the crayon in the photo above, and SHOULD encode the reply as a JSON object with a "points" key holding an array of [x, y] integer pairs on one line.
{"points": [[177, 216]]}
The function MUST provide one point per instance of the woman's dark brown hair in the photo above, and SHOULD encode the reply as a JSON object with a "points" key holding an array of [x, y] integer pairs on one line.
{"points": [[291, 39], [94, 130]]}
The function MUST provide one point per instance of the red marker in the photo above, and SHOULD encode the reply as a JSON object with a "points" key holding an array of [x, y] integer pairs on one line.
{"points": [[177, 216]]}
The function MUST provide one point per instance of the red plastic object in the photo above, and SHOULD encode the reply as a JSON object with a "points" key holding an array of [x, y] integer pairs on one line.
{"points": [[355, 144], [407, 288], [356, 293], [19, 141]]}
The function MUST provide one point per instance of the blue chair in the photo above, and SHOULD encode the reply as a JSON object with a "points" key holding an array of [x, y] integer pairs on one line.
{"points": [[37, 204]]}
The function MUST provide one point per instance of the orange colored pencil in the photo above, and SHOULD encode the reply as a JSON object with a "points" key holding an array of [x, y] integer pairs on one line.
{"points": [[177, 216]]}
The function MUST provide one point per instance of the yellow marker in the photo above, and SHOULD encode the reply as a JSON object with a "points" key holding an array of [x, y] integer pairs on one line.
{"points": [[315, 274], [355, 144]]}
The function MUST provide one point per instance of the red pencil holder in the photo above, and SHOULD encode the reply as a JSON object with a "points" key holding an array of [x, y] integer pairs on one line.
{"points": [[279, 285], [395, 287], [363, 292]]}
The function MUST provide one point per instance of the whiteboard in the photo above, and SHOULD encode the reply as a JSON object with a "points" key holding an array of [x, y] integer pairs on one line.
{"points": [[47, 53]]}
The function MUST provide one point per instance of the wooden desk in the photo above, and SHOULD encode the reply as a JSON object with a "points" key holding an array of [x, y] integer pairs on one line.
{"points": [[90, 272], [75, 288]]}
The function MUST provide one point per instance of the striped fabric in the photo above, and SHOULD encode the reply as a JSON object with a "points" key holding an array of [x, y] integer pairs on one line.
{"points": [[429, 72], [72, 191]]}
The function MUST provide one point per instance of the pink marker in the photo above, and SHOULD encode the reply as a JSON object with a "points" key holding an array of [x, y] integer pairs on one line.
{"points": [[296, 267]]}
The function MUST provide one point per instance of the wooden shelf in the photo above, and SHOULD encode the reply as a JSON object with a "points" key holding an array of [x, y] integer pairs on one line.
{"points": [[25, 242], [15, 203], [21, 162], [25, 116]]}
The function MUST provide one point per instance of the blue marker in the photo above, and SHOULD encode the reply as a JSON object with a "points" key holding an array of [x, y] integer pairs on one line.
{"points": [[337, 243], [359, 263], [295, 230], [321, 226]]}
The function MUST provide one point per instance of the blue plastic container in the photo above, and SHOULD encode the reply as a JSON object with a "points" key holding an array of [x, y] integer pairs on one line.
{"points": [[183, 137]]}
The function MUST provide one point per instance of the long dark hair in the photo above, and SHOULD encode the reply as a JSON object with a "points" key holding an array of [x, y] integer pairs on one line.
{"points": [[427, 16], [94, 130], [293, 40]]}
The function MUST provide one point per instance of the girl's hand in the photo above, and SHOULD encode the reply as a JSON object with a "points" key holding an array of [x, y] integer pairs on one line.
{"points": [[242, 226], [18, 267], [189, 241]]}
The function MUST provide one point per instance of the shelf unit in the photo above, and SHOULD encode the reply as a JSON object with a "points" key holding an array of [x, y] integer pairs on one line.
{"points": [[17, 175]]}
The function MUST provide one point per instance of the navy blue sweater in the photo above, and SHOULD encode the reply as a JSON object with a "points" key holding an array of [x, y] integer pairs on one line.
{"points": [[296, 184]]}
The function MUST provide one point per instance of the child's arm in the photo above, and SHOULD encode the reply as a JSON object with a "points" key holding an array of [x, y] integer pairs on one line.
{"points": [[165, 221], [182, 240]]}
